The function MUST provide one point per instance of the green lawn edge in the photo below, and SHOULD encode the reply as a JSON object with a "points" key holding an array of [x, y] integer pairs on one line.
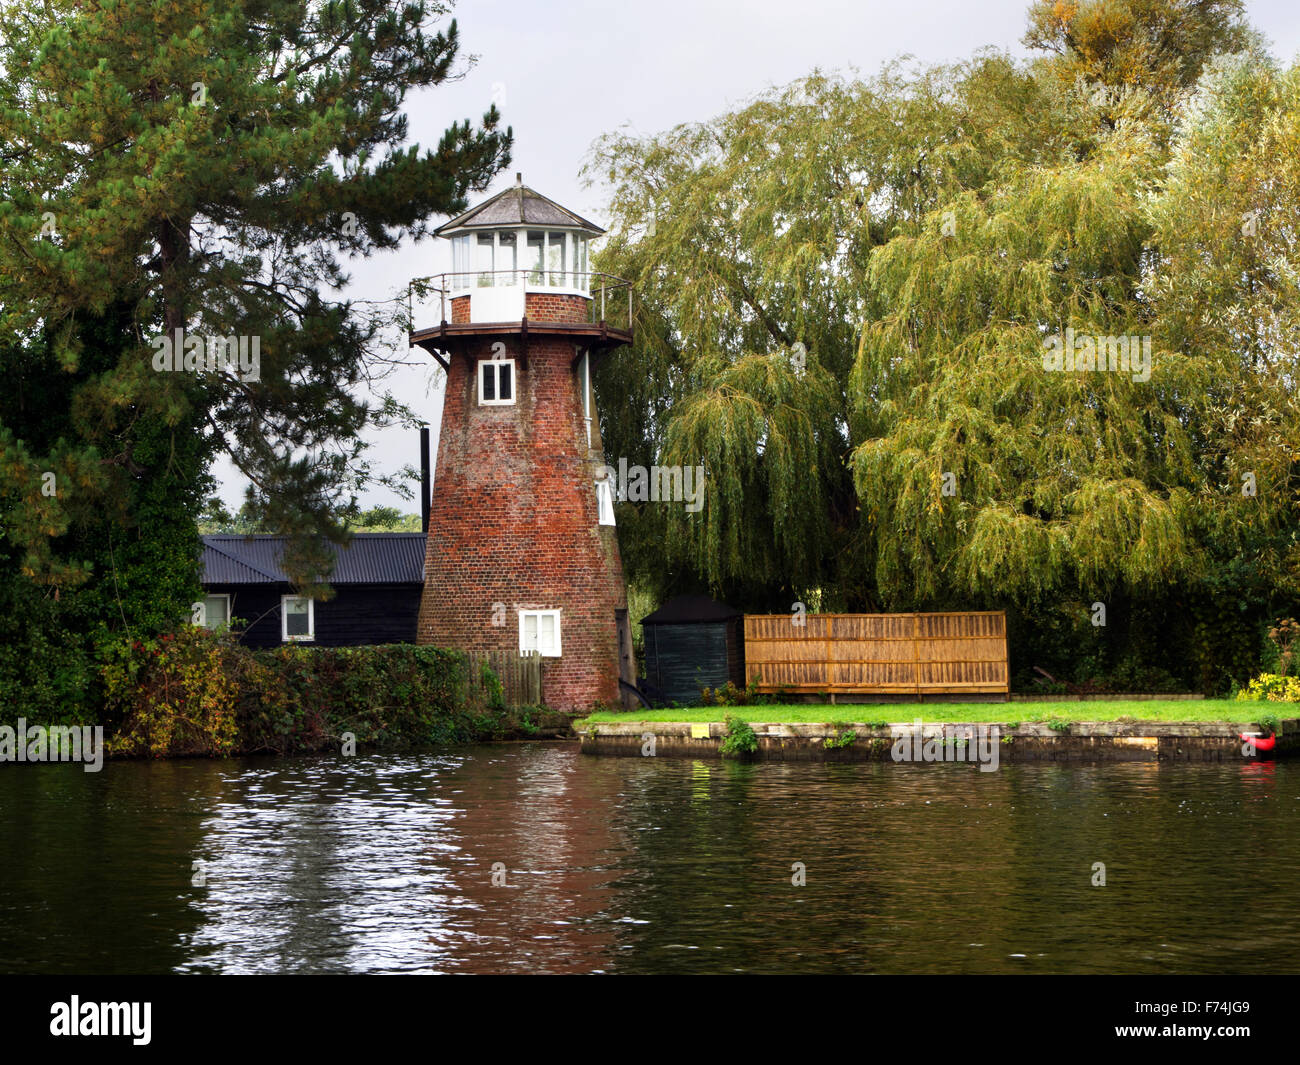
{"points": [[1227, 711]]}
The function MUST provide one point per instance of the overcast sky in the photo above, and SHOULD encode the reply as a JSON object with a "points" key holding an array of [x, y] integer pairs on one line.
{"points": [[562, 72]]}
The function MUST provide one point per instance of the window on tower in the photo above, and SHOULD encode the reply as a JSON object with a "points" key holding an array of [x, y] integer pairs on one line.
{"points": [[556, 248], [534, 255], [496, 382], [506, 244], [554, 259], [539, 631], [463, 265], [485, 261], [605, 502]]}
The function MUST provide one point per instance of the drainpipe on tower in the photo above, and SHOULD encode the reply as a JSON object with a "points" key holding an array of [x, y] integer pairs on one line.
{"points": [[424, 479]]}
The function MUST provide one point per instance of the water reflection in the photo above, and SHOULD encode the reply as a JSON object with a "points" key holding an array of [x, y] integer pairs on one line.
{"points": [[646, 865]]}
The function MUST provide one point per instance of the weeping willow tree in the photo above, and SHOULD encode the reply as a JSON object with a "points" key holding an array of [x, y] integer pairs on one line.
{"points": [[1226, 286], [749, 239], [1009, 453], [982, 473]]}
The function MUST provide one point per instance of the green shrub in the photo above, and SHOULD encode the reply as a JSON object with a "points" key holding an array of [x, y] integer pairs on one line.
{"points": [[1281, 651], [846, 738], [389, 695], [48, 673], [738, 739], [496, 695], [730, 695], [1270, 723], [48, 677]]}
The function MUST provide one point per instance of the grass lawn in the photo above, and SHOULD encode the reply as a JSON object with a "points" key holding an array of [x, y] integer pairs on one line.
{"points": [[1226, 710]]}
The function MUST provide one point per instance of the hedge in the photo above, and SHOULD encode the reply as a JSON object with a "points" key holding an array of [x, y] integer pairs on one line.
{"points": [[196, 692]]}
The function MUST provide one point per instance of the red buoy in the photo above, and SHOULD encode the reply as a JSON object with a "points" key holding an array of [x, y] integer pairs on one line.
{"points": [[1260, 743]]}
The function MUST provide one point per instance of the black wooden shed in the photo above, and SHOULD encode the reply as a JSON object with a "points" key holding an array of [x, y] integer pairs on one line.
{"points": [[377, 579], [693, 642]]}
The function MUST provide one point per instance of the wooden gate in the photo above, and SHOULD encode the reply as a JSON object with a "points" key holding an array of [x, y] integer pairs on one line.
{"points": [[884, 654]]}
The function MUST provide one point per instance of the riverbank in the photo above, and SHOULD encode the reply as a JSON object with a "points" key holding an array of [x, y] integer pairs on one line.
{"points": [[1156, 708], [1209, 731]]}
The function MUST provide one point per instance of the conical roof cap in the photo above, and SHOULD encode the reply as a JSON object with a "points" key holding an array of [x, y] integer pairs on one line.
{"points": [[518, 206]]}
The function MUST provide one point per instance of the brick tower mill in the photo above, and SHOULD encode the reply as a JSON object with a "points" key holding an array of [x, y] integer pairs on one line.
{"points": [[522, 550]]}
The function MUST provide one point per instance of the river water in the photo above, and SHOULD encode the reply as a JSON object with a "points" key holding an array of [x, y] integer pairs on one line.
{"points": [[647, 865]]}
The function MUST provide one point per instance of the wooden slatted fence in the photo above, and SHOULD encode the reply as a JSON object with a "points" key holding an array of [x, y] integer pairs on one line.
{"points": [[520, 675], [886, 654]]}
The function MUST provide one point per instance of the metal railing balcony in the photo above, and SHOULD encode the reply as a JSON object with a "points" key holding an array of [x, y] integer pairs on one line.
{"points": [[609, 298]]}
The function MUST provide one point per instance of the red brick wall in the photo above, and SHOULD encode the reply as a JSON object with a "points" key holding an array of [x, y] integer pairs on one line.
{"points": [[513, 520], [539, 306], [549, 307]]}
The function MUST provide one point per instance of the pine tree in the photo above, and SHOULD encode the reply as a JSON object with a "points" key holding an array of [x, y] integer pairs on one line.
{"points": [[208, 166]]}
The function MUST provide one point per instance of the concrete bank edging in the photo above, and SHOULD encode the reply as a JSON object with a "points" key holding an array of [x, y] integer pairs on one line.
{"points": [[1103, 741]]}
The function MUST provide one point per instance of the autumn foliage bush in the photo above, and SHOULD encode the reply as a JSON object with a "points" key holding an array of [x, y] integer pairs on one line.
{"points": [[1272, 688], [176, 694], [1277, 686], [197, 692]]}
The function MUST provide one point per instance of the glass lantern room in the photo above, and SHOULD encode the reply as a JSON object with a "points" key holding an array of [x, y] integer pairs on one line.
{"points": [[517, 242], [534, 258]]}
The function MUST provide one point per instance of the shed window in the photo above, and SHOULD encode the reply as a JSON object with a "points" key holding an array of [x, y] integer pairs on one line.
{"points": [[539, 631], [297, 618], [496, 382], [216, 611]]}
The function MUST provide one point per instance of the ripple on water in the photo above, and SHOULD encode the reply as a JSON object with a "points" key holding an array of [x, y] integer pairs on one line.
{"points": [[519, 858]]}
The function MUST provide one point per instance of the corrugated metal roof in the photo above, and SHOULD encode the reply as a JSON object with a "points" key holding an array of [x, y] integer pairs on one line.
{"points": [[371, 558], [690, 610], [517, 206]]}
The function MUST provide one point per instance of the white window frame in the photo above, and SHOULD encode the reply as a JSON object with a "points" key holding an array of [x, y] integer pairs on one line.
{"points": [[514, 383], [605, 502], [284, 620], [499, 251], [586, 389], [462, 262], [553, 277], [572, 277], [485, 275], [215, 595], [568, 278], [554, 653], [534, 278]]}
